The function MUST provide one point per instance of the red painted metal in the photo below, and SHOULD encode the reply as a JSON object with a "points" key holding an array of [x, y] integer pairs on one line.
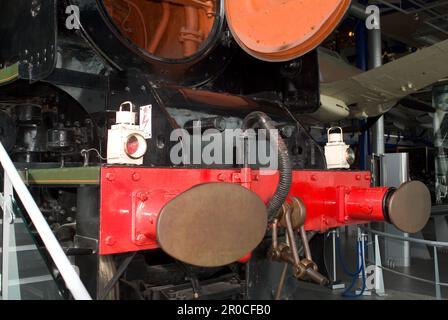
{"points": [[246, 258], [131, 199], [365, 204]]}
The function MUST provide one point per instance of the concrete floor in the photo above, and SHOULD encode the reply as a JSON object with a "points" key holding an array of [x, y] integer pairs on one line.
{"points": [[308, 291], [397, 287]]}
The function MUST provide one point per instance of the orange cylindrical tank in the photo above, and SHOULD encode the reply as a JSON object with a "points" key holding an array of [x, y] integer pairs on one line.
{"points": [[169, 29]]}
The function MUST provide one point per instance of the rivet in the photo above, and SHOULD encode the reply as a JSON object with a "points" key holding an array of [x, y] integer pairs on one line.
{"points": [[143, 196], [141, 237], [110, 176], [110, 241], [136, 177]]}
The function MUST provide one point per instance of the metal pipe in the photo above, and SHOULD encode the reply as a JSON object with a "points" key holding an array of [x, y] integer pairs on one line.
{"points": [[61, 261], [390, 5], [192, 26], [166, 12], [334, 256], [142, 20], [429, 6], [305, 244], [284, 163], [292, 240], [432, 12], [361, 63], [421, 8], [375, 60], [281, 282], [358, 10], [378, 137], [375, 49], [437, 244], [275, 234], [113, 282], [408, 276]]}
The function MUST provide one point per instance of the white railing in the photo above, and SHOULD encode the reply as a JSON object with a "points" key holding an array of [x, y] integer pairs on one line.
{"points": [[434, 244], [374, 244], [13, 181]]}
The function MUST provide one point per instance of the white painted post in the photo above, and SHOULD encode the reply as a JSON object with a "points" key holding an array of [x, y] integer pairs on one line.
{"points": [[68, 273], [9, 254], [379, 279]]}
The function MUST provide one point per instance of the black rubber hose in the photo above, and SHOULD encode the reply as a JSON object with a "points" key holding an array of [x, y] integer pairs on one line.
{"points": [[261, 120]]}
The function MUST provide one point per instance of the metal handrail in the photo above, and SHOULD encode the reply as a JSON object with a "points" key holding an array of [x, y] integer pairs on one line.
{"points": [[443, 284], [431, 243], [68, 273], [435, 244]]}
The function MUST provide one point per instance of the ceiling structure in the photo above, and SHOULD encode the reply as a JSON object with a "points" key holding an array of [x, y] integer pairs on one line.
{"points": [[407, 26], [414, 22]]}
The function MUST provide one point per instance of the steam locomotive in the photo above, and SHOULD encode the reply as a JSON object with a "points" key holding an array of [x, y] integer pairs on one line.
{"points": [[91, 91]]}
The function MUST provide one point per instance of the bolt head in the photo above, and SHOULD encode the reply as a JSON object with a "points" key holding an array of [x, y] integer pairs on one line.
{"points": [[143, 196], [110, 241], [141, 238]]}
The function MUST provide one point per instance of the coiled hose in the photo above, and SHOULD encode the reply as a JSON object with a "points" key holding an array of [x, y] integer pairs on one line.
{"points": [[263, 121]]}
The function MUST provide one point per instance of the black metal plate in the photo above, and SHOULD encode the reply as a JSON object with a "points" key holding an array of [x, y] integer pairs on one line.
{"points": [[28, 36]]}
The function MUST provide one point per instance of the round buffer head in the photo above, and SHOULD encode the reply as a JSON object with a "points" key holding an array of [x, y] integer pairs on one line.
{"points": [[409, 207], [212, 225]]}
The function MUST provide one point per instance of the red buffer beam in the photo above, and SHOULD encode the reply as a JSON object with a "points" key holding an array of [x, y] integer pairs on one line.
{"points": [[132, 198]]}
